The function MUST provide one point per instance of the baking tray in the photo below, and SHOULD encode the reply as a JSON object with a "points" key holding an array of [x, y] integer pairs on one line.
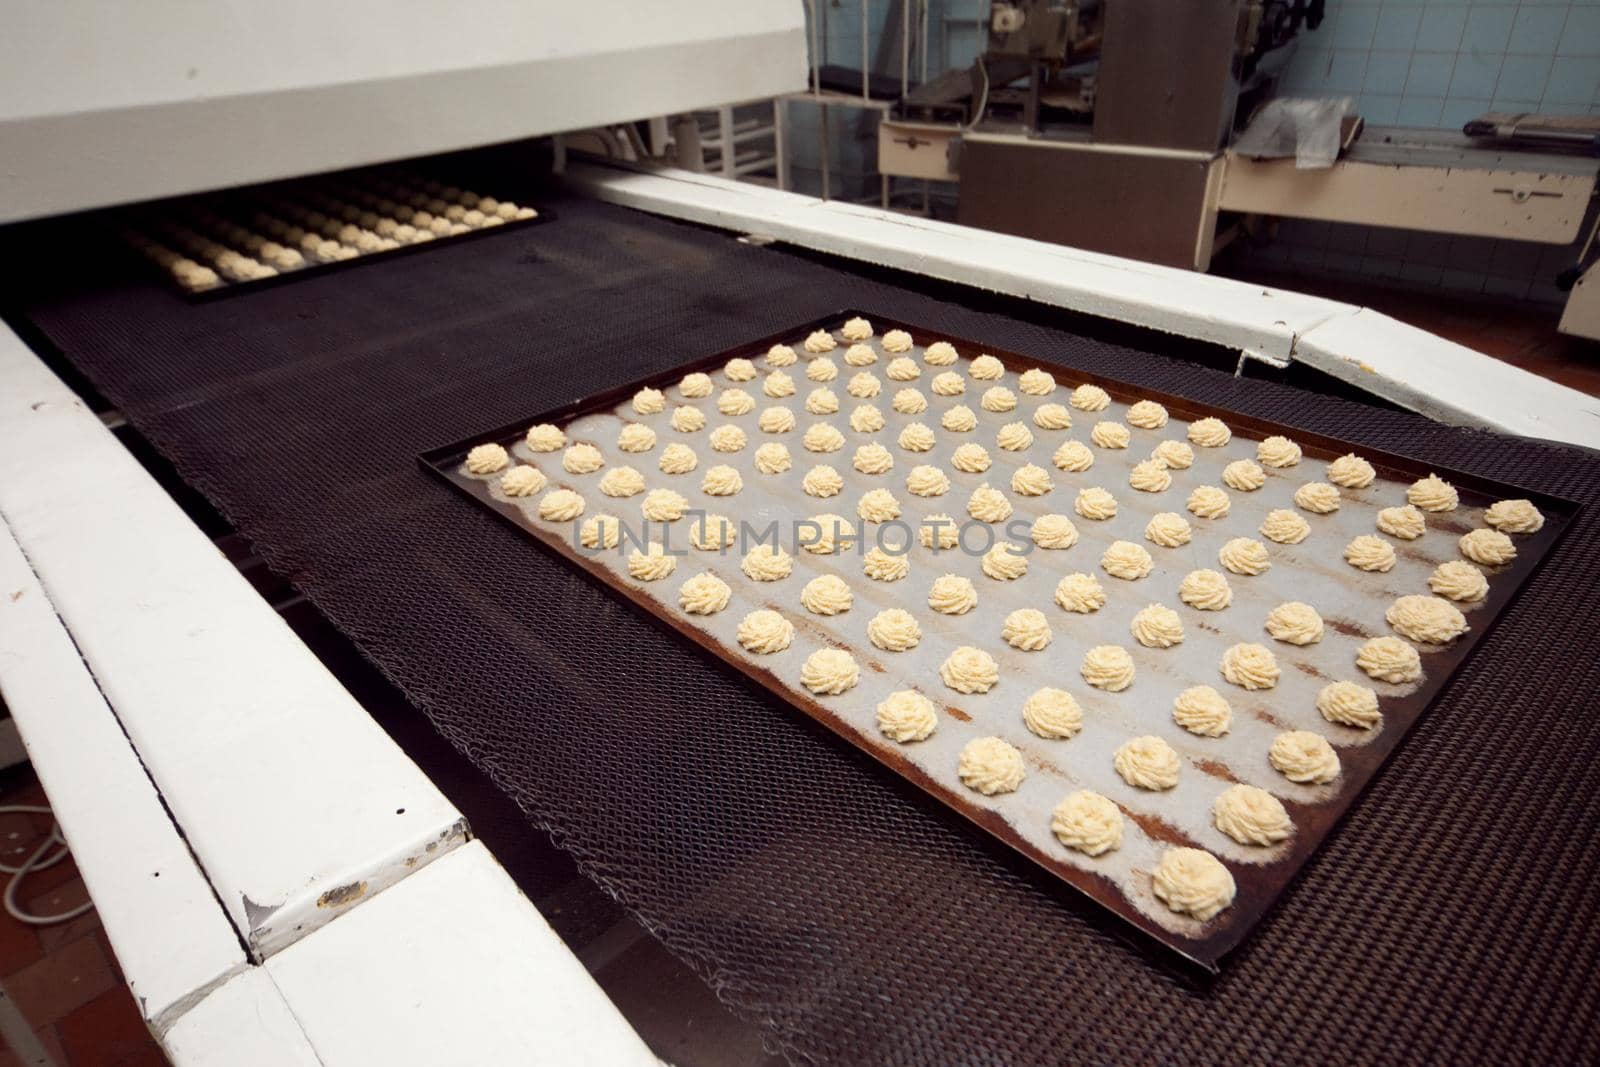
{"points": [[1351, 602]]}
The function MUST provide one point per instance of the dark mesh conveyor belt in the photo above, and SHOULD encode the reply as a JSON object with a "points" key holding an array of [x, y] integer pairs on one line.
{"points": [[1451, 918]]}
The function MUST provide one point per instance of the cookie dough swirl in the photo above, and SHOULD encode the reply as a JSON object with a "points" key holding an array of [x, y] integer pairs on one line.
{"points": [[873, 459], [1193, 882], [688, 419], [903, 369], [1460, 581], [830, 671], [822, 402], [1209, 502], [1037, 382], [1089, 398], [582, 459], [1368, 553], [1147, 762], [1278, 451], [1157, 626], [1014, 437], [663, 505], [1294, 623], [1404, 522], [1203, 711], [1514, 516], [1150, 476], [1126, 560], [1080, 593], [959, 419], [865, 386], [988, 504], [990, 765], [1349, 704], [822, 481], [970, 670], [777, 385], [713, 533], [1206, 590], [546, 437], [1053, 531], [1107, 667], [882, 566], [1031, 480], [906, 715], [1052, 714], [1389, 659], [1168, 529], [914, 437], [767, 563], [1285, 527], [1003, 563], [1095, 503], [735, 402], [998, 399], [649, 402], [856, 329], [862, 356], [822, 370], [1175, 454], [1251, 815], [1244, 475], [940, 354], [1304, 757], [952, 594], [560, 505], [781, 356], [1109, 434], [1250, 666], [822, 341], [894, 630], [1433, 493], [765, 632], [1428, 619], [877, 505], [970, 458], [600, 531], [652, 564], [677, 459], [776, 419], [822, 437], [911, 402], [1489, 547], [773, 458], [826, 594], [987, 369], [1244, 555], [948, 384], [1319, 498], [721, 480], [524, 480], [1210, 433], [897, 341], [927, 481], [1026, 629], [741, 370], [1147, 415], [1052, 417], [696, 386], [704, 594], [727, 438], [1088, 822], [827, 534], [1073, 457], [1351, 471], [938, 530]]}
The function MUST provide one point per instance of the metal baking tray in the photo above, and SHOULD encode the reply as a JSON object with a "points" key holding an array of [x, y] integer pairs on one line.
{"points": [[1352, 602]]}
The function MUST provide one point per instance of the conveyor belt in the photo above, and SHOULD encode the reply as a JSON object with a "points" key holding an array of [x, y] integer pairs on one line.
{"points": [[1451, 918]]}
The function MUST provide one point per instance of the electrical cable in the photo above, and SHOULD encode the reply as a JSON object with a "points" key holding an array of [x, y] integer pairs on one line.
{"points": [[983, 100], [37, 862]]}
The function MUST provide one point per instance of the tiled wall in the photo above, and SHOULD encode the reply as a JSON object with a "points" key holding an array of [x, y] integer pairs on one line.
{"points": [[1434, 64]]}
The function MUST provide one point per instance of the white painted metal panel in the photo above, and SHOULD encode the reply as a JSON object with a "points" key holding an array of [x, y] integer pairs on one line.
{"points": [[451, 967], [104, 102], [169, 933], [245, 1023], [294, 801]]}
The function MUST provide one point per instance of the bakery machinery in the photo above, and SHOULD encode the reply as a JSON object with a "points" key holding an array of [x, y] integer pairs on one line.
{"points": [[320, 731], [1115, 126]]}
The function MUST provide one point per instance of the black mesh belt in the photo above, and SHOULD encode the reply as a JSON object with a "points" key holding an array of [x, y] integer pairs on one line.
{"points": [[1452, 917]]}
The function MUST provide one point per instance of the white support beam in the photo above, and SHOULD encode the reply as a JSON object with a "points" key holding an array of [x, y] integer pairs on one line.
{"points": [[1444, 380]]}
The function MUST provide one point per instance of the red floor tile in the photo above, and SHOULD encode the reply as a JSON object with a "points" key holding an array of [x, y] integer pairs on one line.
{"points": [[104, 1032], [69, 978]]}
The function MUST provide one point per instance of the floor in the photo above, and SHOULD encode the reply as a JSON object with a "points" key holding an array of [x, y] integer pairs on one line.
{"points": [[63, 979]]}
